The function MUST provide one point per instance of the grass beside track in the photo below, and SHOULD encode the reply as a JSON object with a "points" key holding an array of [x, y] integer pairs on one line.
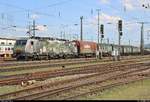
{"points": [[134, 91]]}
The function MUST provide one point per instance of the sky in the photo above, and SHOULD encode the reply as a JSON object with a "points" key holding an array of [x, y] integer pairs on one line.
{"points": [[62, 19]]}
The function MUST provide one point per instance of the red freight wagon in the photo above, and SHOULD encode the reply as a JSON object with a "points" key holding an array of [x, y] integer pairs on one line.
{"points": [[86, 48]]}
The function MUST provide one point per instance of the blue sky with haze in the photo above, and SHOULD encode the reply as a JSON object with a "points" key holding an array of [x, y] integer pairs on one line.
{"points": [[62, 15]]}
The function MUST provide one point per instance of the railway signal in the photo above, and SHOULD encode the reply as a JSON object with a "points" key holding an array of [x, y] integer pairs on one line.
{"points": [[102, 31], [120, 34], [102, 36], [120, 27]]}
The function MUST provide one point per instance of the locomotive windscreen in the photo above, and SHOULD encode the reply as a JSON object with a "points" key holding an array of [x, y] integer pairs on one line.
{"points": [[21, 42]]}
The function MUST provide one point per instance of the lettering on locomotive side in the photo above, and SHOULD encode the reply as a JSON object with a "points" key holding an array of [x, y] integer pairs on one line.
{"points": [[87, 46]]}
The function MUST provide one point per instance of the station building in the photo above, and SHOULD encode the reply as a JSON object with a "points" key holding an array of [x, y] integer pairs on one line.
{"points": [[6, 47]]}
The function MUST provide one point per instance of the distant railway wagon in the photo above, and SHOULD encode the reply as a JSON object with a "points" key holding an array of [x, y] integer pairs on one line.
{"points": [[50, 48], [106, 49], [86, 48], [6, 47], [124, 49]]}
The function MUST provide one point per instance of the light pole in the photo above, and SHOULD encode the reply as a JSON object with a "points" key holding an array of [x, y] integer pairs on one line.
{"points": [[120, 32], [77, 36], [81, 33], [34, 28], [98, 47], [142, 39]]}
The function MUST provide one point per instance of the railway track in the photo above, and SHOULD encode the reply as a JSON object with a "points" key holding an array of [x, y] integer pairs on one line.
{"points": [[50, 94], [105, 87], [17, 79], [7, 64], [48, 65], [43, 65], [14, 64], [52, 89]]}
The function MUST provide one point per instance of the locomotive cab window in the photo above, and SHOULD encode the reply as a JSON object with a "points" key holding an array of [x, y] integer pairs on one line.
{"points": [[2, 43], [32, 43], [24, 43], [21, 42]]}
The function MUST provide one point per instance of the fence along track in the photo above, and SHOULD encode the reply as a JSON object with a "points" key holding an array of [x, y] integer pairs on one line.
{"points": [[43, 86]]}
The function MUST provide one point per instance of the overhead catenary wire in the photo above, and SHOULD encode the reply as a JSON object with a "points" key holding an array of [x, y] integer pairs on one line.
{"points": [[86, 20], [55, 4], [37, 12], [26, 10], [33, 11]]}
